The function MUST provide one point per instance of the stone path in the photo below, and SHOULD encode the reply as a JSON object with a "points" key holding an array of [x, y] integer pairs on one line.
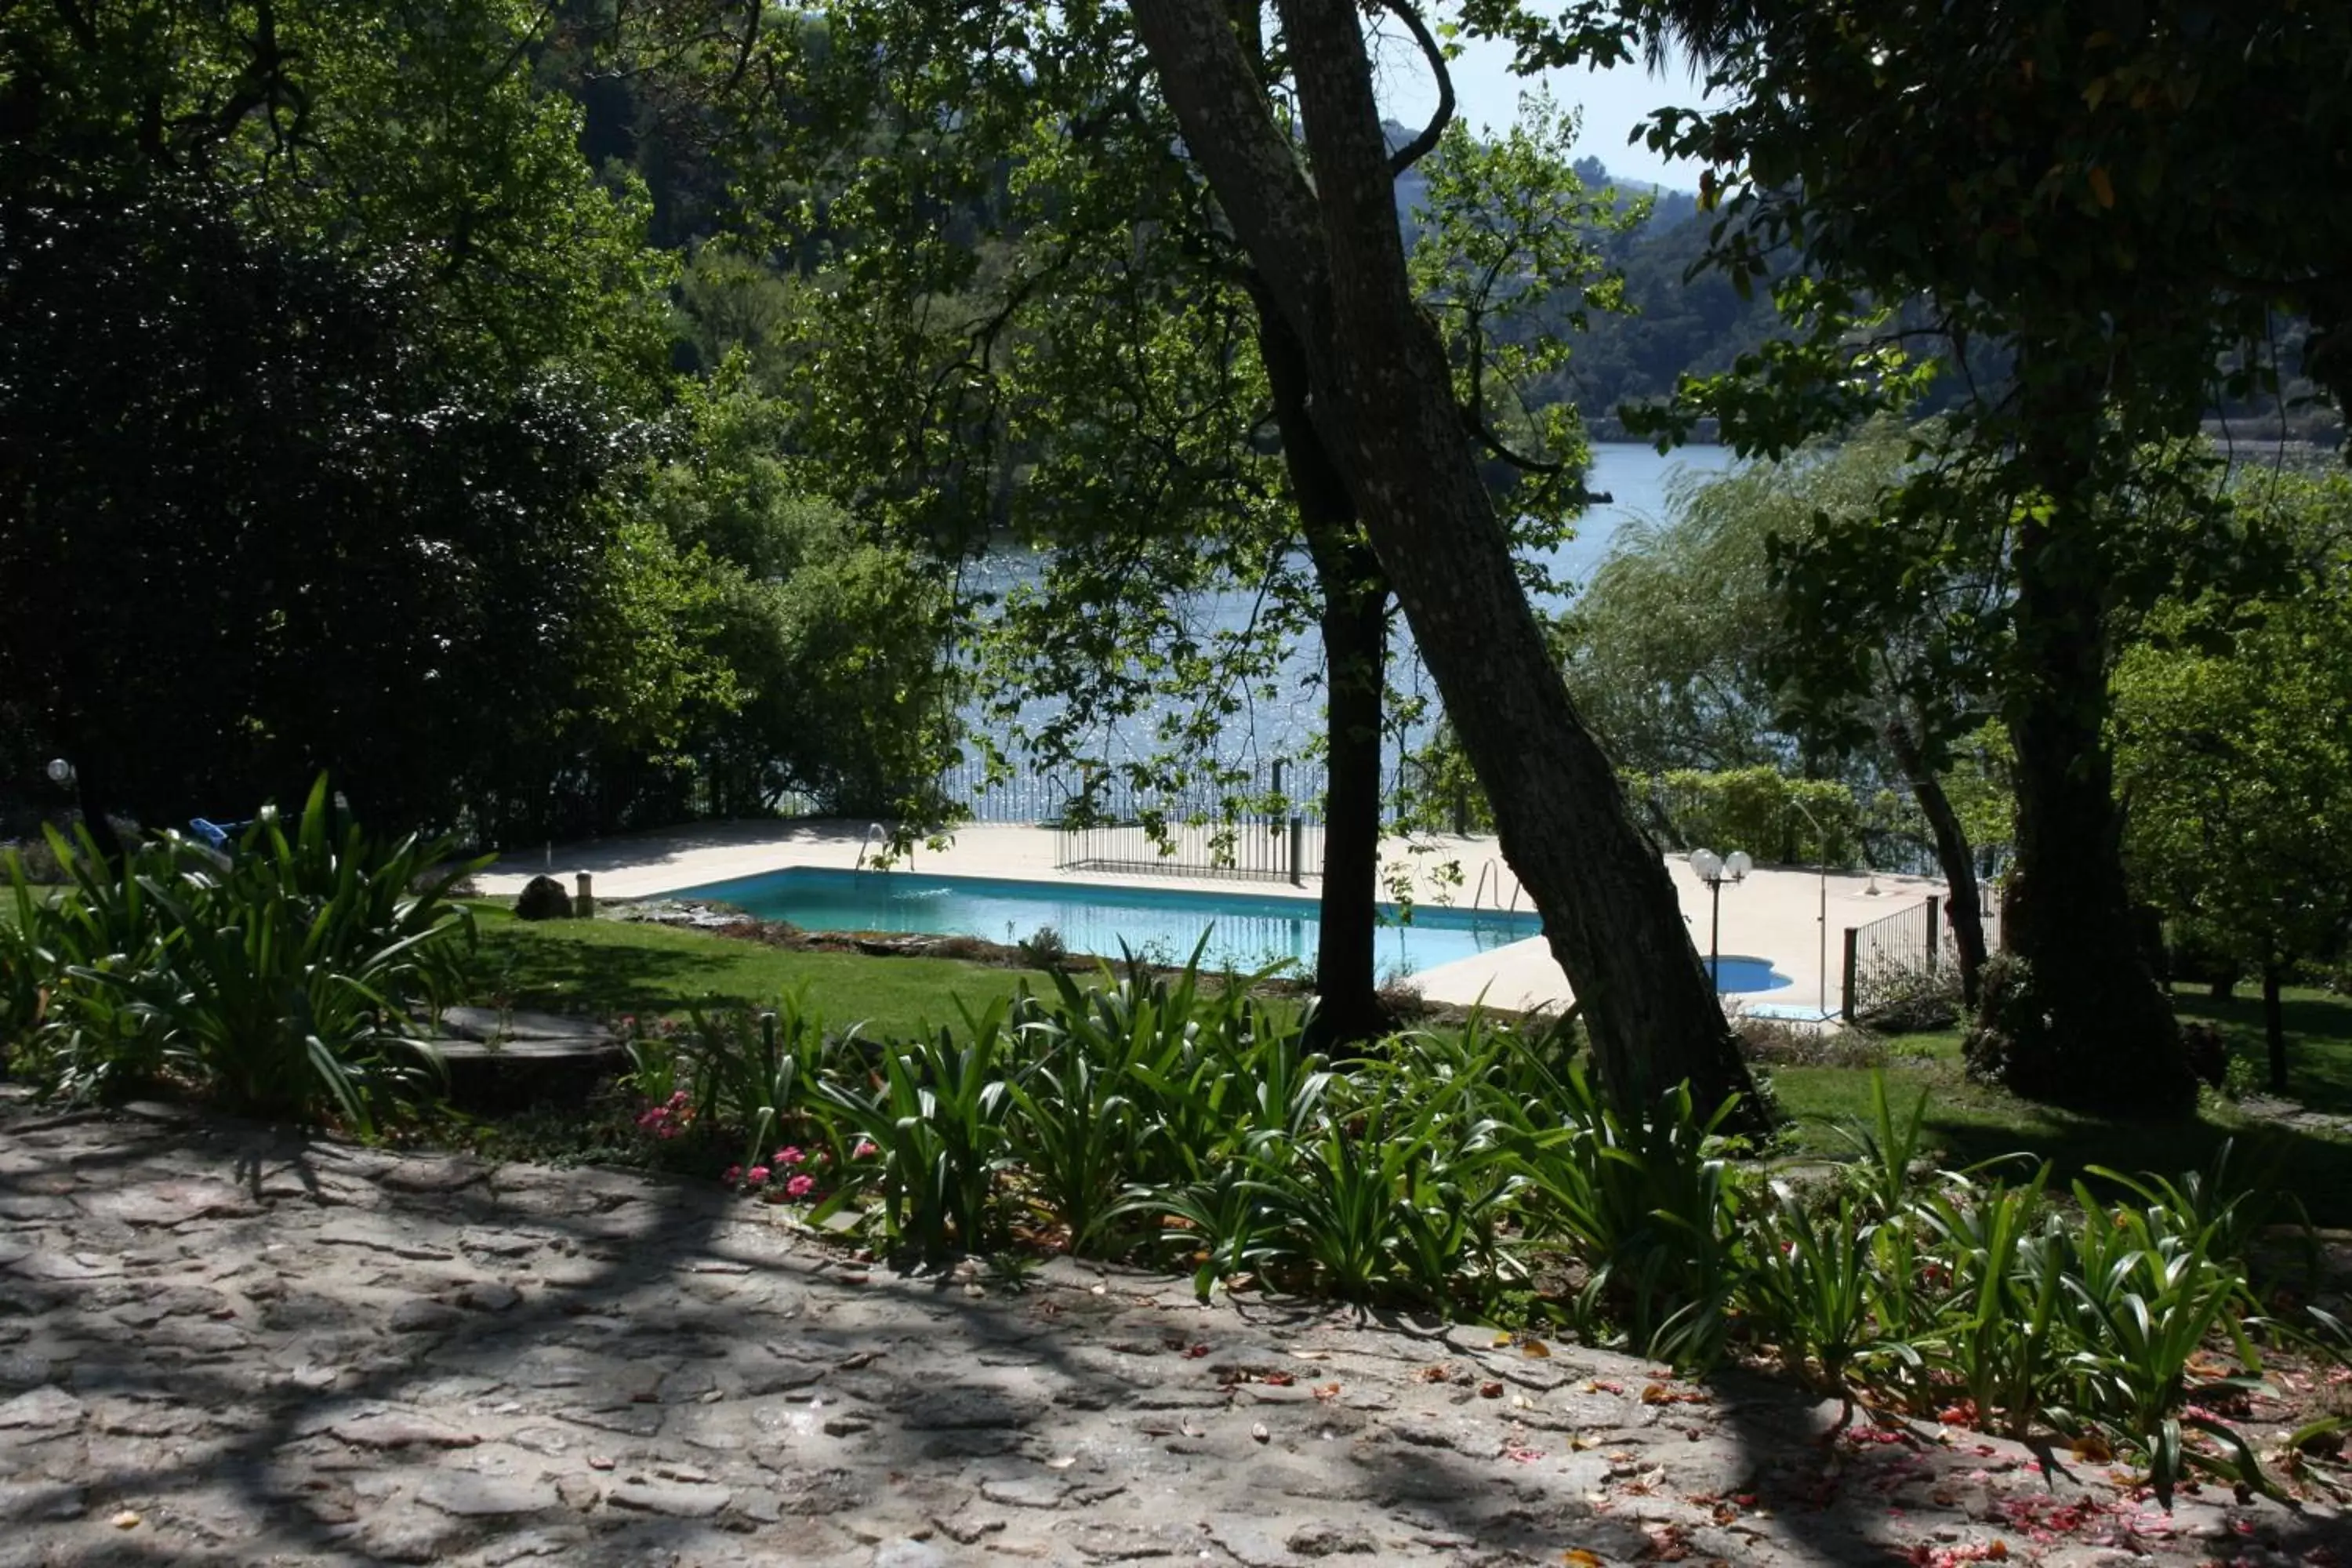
{"points": [[224, 1344]]}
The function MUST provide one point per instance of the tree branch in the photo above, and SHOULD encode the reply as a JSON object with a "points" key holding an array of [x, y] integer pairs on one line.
{"points": [[1420, 146], [1474, 424]]}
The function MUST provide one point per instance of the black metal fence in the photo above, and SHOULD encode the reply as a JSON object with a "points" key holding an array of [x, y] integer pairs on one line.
{"points": [[1899, 949], [1112, 795], [1265, 849]]}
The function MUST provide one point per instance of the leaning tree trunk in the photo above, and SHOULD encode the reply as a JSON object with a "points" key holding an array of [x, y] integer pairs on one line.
{"points": [[2085, 1025], [1355, 654], [1332, 260], [1953, 853]]}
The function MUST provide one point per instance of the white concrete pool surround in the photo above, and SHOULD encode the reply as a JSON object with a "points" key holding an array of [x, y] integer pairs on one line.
{"points": [[1776, 915]]}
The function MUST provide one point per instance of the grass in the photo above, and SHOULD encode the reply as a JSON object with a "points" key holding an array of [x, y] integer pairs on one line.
{"points": [[608, 968], [1967, 1121], [2318, 1040]]}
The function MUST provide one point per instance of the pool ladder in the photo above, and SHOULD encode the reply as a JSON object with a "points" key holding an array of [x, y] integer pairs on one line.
{"points": [[1494, 868], [873, 830]]}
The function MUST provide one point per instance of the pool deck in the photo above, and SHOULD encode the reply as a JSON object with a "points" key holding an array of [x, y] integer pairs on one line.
{"points": [[1794, 918]]}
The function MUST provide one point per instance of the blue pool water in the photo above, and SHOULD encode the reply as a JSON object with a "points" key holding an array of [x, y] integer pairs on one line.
{"points": [[1249, 931], [1733, 974]]}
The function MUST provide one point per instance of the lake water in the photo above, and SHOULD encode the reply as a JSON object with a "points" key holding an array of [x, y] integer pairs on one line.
{"points": [[1638, 480]]}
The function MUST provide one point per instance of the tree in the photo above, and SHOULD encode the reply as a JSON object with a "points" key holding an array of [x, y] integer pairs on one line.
{"points": [[1383, 403], [1030, 322], [828, 648], [1181, 100], [2114, 195], [1692, 648], [318, 352], [2234, 755]]}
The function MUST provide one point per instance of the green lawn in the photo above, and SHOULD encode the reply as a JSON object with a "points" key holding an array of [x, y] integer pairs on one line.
{"points": [[8, 900], [607, 968], [2318, 1040], [1966, 1121]]}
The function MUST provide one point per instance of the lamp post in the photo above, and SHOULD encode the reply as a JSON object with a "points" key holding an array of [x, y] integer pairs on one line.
{"points": [[1821, 843], [1715, 871]]}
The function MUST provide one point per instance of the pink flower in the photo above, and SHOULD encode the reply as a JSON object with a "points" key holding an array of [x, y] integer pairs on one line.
{"points": [[734, 1174], [864, 1150], [800, 1186], [757, 1176], [789, 1156], [679, 1098]]}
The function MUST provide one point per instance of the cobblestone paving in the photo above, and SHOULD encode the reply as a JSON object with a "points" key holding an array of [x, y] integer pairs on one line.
{"points": [[224, 1344]]}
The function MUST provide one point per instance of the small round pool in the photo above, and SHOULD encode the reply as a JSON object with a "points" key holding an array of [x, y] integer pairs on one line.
{"points": [[1734, 973]]}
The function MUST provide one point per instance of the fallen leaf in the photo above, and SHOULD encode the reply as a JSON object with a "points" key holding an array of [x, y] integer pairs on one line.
{"points": [[1578, 1557], [1280, 1379], [1437, 1373], [1195, 1352], [1490, 1391], [598, 1462], [126, 1520], [1327, 1390], [1061, 1462], [1502, 1340], [2092, 1449], [1535, 1350], [1659, 1393]]}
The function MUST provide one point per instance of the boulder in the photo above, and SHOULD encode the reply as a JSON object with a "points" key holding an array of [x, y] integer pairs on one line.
{"points": [[543, 898]]}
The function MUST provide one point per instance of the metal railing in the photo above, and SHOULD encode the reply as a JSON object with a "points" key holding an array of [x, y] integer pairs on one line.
{"points": [[1910, 943], [1086, 795], [1281, 850]]}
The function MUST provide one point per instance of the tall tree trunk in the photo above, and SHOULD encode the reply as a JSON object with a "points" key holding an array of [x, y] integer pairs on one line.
{"points": [[1333, 262], [2274, 1023], [1355, 656], [1355, 638], [2093, 1029], [1953, 853]]}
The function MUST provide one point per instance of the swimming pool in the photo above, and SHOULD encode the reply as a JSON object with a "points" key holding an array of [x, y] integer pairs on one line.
{"points": [[1738, 974], [1249, 931]]}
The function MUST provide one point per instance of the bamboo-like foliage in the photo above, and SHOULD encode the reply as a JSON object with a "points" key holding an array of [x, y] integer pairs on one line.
{"points": [[290, 979], [1177, 1120]]}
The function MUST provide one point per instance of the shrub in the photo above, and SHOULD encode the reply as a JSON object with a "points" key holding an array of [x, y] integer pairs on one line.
{"points": [[1148, 1117], [282, 982], [1773, 1043], [40, 861], [1044, 949], [1898, 998]]}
